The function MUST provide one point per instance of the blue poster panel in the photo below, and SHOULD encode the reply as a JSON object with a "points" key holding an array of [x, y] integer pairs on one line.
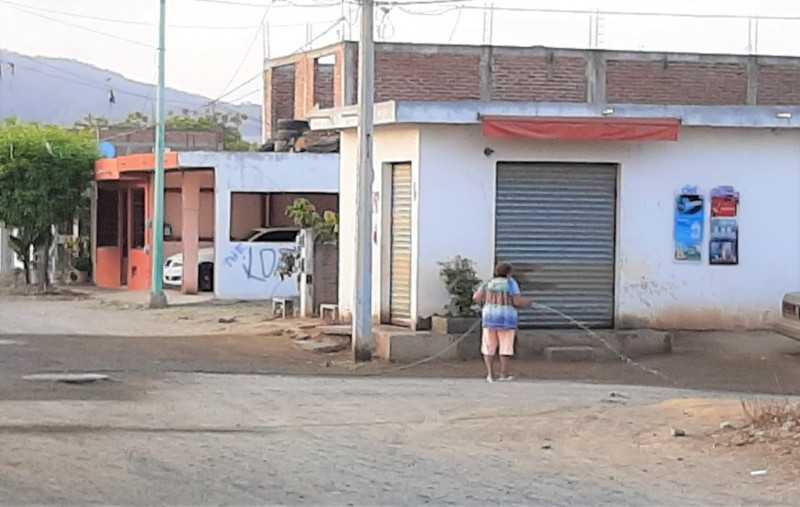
{"points": [[689, 222]]}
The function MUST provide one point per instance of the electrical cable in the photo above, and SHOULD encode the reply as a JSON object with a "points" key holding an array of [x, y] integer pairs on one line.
{"points": [[81, 27], [249, 48], [262, 5], [261, 72], [123, 21]]}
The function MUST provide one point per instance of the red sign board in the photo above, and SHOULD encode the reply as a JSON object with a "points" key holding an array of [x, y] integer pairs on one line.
{"points": [[723, 206]]}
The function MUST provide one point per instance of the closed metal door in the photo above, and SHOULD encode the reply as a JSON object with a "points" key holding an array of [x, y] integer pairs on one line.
{"points": [[400, 269], [556, 224]]}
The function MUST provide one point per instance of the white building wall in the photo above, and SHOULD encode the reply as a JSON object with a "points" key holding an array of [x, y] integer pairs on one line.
{"points": [[247, 271], [393, 144], [456, 217]]}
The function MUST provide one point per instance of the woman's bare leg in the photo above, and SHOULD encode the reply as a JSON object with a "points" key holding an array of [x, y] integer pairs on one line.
{"points": [[505, 362], [489, 360]]}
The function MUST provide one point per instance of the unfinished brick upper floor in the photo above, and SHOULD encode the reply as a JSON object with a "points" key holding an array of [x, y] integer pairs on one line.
{"points": [[298, 84]]}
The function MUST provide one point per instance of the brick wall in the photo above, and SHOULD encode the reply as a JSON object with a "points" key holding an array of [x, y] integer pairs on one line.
{"points": [[517, 77], [689, 83], [326, 275], [460, 73], [280, 96], [303, 87], [438, 76], [323, 85], [778, 85]]}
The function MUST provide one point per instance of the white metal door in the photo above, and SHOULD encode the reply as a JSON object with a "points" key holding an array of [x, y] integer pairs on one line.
{"points": [[400, 264]]}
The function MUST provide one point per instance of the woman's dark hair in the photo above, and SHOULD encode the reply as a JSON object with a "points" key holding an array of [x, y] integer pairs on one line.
{"points": [[502, 270]]}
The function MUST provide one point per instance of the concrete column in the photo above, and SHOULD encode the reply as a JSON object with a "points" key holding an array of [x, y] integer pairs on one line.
{"points": [[596, 78], [303, 86], [350, 74], [6, 257], [307, 275], [190, 231], [486, 73], [752, 81], [268, 125]]}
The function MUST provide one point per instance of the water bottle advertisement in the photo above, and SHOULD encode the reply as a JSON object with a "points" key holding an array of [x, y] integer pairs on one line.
{"points": [[723, 246], [689, 222]]}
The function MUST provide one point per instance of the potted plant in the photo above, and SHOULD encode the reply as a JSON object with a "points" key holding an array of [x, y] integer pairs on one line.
{"points": [[82, 268], [460, 280], [80, 259]]}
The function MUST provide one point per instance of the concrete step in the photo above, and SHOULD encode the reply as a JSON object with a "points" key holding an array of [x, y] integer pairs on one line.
{"points": [[570, 354], [336, 330], [789, 328]]}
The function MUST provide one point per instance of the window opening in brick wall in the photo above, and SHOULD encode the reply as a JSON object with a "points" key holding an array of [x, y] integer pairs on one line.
{"points": [[324, 77]]}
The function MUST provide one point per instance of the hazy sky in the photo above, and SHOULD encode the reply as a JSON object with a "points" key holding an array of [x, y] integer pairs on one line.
{"points": [[208, 40]]}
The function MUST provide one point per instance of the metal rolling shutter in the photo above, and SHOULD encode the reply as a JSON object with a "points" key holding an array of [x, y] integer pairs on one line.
{"points": [[555, 223], [400, 291]]}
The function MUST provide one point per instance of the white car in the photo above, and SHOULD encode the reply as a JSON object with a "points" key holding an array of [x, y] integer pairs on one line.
{"points": [[173, 265]]}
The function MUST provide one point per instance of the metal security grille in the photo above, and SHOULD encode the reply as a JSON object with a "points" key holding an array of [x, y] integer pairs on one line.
{"points": [[400, 292], [555, 223]]}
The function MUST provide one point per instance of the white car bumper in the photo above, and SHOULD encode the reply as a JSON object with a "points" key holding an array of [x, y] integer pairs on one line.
{"points": [[173, 274]]}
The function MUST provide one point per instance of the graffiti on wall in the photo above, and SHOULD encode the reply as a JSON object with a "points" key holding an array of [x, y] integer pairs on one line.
{"points": [[258, 262]]}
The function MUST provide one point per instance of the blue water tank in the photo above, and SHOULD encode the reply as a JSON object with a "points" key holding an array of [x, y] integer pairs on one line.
{"points": [[108, 150]]}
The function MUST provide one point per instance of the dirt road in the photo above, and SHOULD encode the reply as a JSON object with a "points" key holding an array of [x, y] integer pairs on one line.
{"points": [[194, 415], [196, 439]]}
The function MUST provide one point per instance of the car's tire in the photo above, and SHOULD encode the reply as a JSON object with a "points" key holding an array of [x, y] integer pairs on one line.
{"points": [[293, 125], [287, 135], [205, 277]]}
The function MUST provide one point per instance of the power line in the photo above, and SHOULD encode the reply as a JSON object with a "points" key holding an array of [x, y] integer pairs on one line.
{"points": [[422, 2], [401, 6], [261, 72], [250, 47], [240, 97], [262, 5], [123, 21], [92, 30], [191, 106]]}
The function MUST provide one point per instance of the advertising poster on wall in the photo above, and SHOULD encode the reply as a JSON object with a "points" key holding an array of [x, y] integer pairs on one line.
{"points": [[723, 246], [689, 220]]}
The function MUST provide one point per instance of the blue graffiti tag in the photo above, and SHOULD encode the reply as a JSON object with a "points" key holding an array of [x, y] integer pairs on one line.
{"points": [[238, 251], [258, 263]]}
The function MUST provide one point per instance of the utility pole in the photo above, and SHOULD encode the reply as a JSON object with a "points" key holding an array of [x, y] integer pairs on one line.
{"points": [[157, 297], [363, 343], [264, 55]]}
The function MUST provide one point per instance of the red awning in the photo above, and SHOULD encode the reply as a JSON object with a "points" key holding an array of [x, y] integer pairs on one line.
{"points": [[583, 129]]}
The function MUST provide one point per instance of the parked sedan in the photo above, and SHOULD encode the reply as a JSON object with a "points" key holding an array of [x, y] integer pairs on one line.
{"points": [[173, 265]]}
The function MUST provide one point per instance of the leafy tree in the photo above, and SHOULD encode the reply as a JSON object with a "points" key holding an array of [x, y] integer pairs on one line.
{"points": [[90, 122], [305, 215], [229, 123], [137, 119], [44, 173]]}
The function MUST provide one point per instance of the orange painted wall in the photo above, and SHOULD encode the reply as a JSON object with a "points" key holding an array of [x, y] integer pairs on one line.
{"points": [[107, 270], [140, 270]]}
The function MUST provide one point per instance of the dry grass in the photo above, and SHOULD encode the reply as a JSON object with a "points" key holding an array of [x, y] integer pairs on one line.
{"points": [[774, 422]]}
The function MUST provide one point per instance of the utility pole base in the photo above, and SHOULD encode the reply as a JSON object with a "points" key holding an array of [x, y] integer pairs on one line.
{"points": [[158, 301], [362, 354]]}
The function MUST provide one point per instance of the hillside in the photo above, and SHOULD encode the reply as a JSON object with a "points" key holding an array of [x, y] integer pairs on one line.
{"points": [[61, 92]]}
